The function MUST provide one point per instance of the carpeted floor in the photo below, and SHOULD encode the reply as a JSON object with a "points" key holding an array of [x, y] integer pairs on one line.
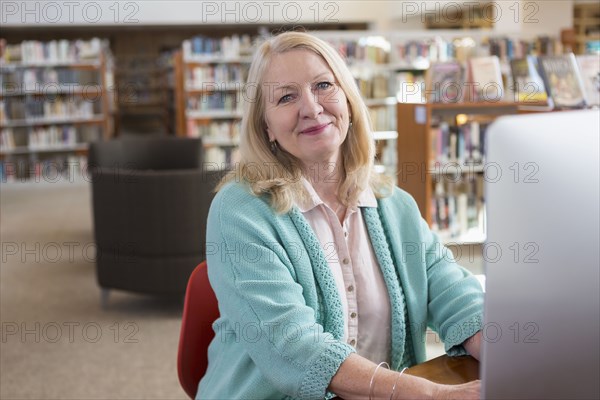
{"points": [[57, 342]]}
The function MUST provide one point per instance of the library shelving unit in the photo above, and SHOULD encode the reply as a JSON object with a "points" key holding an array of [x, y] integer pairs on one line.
{"points": [[586, 22], [442, 165], [209, 79], [476, 17], [146, 93], [390, 67], [55, 100]]}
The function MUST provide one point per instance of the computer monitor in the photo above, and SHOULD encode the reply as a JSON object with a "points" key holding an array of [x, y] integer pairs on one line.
{"points": [[542, 309]]}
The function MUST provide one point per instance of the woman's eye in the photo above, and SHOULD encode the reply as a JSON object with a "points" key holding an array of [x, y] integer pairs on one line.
{"points": [[324, 85], [285, 99]]}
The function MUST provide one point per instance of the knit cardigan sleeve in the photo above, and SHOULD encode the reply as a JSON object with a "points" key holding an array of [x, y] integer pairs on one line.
{"points": [[453, 304], [455, 295], [253, 277]]}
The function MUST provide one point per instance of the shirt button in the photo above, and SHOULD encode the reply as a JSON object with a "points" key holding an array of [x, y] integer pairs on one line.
{"points": [[353, 315], [345, 261], [352, 342], [350, 288]]}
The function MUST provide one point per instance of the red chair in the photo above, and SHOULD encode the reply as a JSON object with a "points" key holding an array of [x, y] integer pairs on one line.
{"points": [[200, 310]]}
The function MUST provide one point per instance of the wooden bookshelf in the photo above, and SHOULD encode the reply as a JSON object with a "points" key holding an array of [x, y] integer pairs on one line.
{"points": [[418, 172], [51, 108], [146, 100], [586, 22], [458, 18], [208, 93]]}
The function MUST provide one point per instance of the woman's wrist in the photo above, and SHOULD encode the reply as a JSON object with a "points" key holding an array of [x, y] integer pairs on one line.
{"points": [[473, 345], [410, 387]]}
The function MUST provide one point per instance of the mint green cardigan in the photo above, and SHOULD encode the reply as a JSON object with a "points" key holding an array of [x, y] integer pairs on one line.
{"points": [[281, 324]]}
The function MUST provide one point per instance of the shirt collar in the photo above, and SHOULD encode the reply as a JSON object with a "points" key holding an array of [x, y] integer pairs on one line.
{"points": [[311, 199]]}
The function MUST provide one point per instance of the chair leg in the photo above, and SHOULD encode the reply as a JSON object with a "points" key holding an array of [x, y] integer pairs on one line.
{"points": [[104, 293]]}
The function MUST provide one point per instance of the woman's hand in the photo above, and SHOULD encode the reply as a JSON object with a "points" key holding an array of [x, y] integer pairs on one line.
{"points": [[466, 391]]}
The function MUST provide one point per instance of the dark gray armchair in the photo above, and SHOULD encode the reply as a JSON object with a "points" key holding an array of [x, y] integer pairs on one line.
{"points": [[150, 203]]}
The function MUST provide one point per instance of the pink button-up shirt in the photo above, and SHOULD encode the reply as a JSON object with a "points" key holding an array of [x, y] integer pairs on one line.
{"points": [[356, 271]]}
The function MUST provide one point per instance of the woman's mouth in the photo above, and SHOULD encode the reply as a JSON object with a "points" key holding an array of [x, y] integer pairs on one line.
{"points": [[315, 130]]}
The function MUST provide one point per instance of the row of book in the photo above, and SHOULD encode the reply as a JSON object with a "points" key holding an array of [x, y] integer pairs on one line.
{"points": [[212, 76], [221, 101], [564, 80], [53, 52], [32, 108], [458, 144], [215, 132], [458, 209], [509, 49], [382, 50], [374, 87], [463, 48], [60, 168], [52, 136], [370, 49], [40, 138], [220, 157], [7, 140], [228, 47], [32, 78], [383, 118], [379, 50]]}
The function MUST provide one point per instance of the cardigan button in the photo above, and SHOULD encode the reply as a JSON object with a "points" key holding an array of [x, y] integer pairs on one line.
{"points": [[345, 261], [350, 288], [352, 342], [353, 315]]}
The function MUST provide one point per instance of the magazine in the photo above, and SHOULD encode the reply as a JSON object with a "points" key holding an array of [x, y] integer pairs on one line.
{"points": [[444, 82], [589, 67], [528, 84], [485, 78], [562, 80]]}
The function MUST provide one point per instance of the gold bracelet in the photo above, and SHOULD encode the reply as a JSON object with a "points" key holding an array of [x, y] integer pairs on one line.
{"points": [[395, 383], [373, 378]]}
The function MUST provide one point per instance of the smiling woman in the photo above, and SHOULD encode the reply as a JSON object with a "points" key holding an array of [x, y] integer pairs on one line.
{"points": [[308, 116], [315, 290], [291, 76]]}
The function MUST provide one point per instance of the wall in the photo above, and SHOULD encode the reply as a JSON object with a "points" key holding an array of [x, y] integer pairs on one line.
{"points": [[527, 17], [524, 17], [57, 13]]}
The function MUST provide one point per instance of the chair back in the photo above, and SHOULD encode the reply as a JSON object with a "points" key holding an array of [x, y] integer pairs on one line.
{"points": [[200, 310]]}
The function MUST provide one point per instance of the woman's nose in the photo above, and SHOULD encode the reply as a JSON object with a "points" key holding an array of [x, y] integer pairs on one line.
{"points": [[310, 105]]}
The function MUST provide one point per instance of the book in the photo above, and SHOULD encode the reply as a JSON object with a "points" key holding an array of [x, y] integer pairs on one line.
{"points": [[444, 82], [562, 80], [528, 84], [485, 79], [589, 68]]}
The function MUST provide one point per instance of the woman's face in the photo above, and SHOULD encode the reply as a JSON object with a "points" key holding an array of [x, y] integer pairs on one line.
{"points": [[305, 109]]}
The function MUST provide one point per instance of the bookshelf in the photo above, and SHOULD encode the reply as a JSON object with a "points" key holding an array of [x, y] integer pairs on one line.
{"points": [[457, 17], [146, 103], [209, 79], [441, 163], [55, 100], [586, 22]]}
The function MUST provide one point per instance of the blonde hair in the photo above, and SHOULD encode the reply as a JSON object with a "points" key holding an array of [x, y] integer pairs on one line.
{"points": [[279, 174]]}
